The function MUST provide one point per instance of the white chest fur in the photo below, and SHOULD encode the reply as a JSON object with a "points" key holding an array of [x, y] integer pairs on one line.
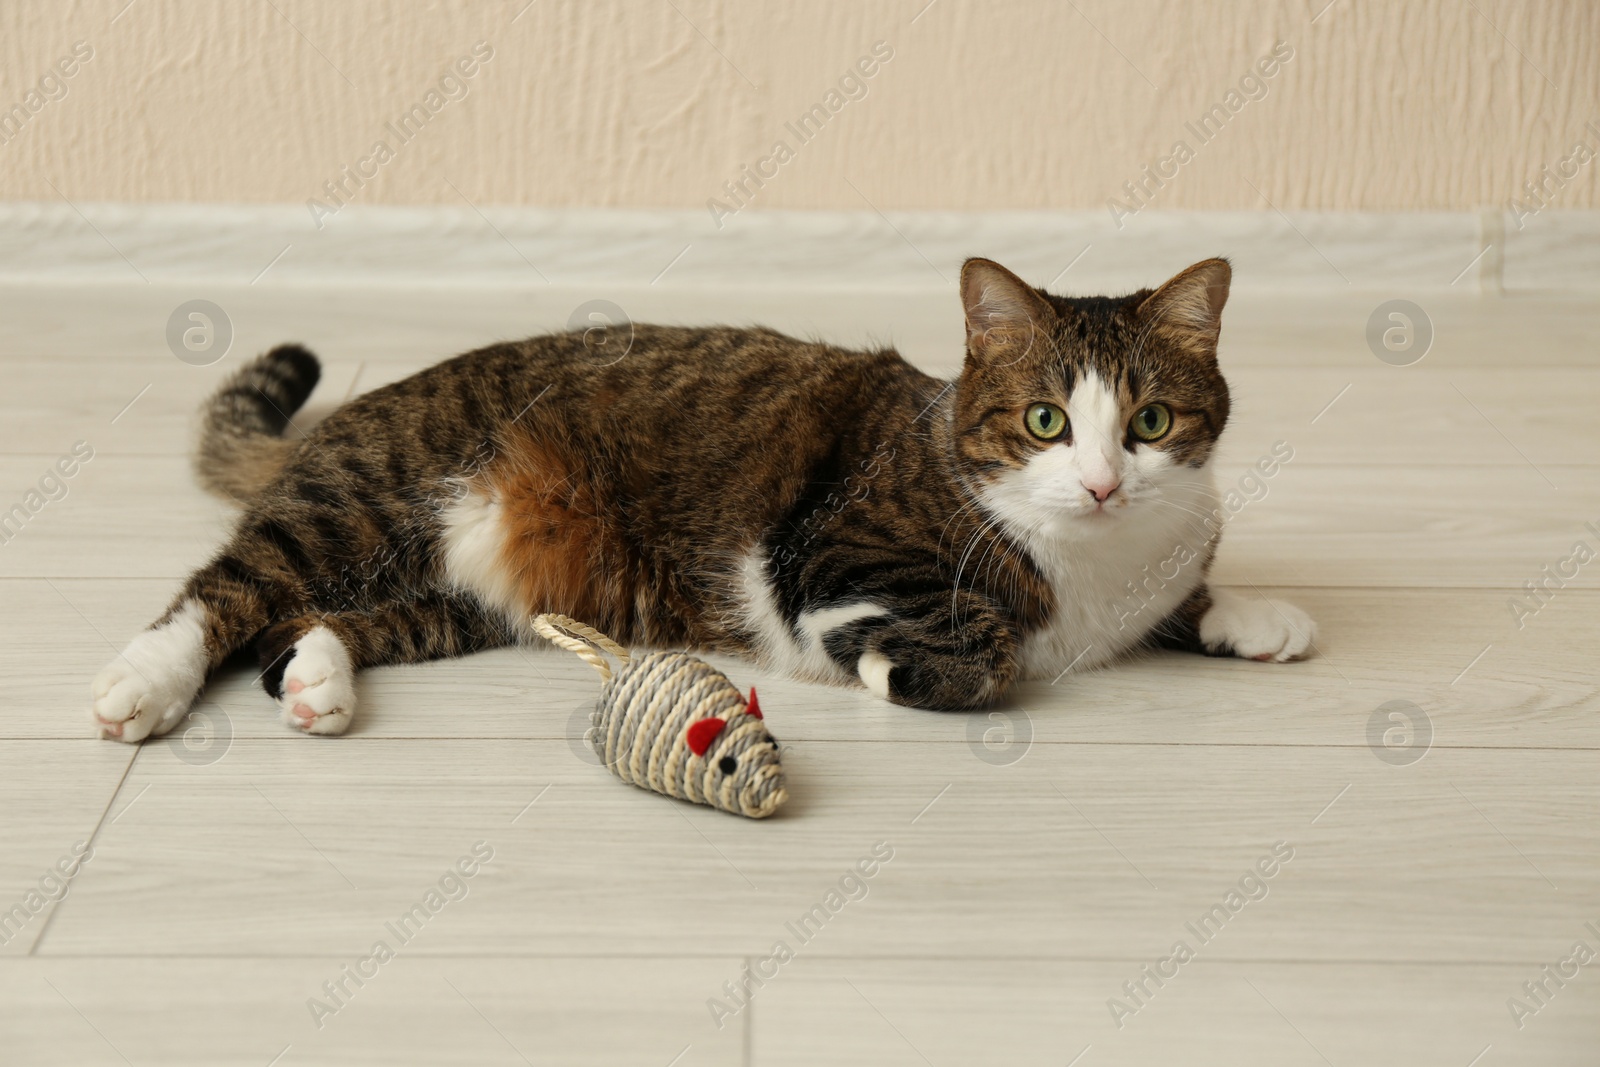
{"points": [[1116, 583]]}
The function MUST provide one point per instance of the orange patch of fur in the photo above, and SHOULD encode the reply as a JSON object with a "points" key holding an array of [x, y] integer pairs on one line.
{"points": [[561, 549]]}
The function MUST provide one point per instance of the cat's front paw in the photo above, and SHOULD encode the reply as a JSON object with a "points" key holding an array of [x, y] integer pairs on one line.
{"points": [[1271, 630], [929, 681], [874, 669]]}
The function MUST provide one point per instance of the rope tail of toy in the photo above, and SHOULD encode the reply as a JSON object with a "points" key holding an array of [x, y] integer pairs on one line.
{"points": [[582, 640]]}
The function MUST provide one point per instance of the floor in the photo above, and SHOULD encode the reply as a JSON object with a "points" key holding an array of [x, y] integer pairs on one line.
{"points": [[1400, 832]]}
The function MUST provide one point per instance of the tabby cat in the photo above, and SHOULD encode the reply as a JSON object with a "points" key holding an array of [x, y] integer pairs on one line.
{"points": [[836, 514]]}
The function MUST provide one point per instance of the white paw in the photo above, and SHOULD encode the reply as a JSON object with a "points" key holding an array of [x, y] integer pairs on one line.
{"points": [[874, 668], [147, 690], [1270, 630], [319, 685]]}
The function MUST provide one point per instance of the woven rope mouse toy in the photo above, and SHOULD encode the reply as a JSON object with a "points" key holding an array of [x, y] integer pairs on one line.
{"points": [[674, 724]]}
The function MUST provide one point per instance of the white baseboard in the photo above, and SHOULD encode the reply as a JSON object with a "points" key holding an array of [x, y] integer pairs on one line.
{"points": [[1553, 252], [1075, 252]]}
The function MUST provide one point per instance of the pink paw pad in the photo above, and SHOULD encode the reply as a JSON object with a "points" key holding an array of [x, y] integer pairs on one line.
{"points": [[303, 713], [295, 685]]}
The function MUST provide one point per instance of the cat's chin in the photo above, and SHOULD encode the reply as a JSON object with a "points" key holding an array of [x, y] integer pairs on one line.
{"points": [[1083, 524]]}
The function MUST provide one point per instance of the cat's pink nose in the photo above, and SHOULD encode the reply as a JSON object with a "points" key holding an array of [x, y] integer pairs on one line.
{"points": [[1101, 489]]}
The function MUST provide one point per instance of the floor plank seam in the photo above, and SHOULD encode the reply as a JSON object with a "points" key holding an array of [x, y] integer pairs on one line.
{"points": [[49, 920]]}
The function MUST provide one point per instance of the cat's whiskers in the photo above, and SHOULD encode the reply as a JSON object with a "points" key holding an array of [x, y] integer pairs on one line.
{"points": [[1187, 509], [973, 503], [987, 525], [1028, 537], [981, 569], [1198, 497]]}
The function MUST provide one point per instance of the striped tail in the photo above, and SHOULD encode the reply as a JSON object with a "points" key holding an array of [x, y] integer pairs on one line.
{"points": [[242, 447]]}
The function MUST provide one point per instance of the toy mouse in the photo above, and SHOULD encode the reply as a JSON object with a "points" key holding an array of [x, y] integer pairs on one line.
{"points": [[672, 723]]}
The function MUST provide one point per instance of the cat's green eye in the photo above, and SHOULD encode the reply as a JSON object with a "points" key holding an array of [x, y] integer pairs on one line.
{"points": [[1046, 421], [1151, 422]]}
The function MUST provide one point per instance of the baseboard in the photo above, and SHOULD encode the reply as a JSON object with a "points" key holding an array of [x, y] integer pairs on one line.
{"points": [[1553, 252], [273, 245]]}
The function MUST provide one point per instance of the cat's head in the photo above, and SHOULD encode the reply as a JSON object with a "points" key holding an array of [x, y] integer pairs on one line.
{"points": [[1075, 415]]}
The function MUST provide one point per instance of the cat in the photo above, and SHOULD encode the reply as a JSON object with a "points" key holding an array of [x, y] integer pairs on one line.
{"points": [[837, 515]]}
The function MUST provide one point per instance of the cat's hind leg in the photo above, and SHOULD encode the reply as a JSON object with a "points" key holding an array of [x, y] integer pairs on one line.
{"points": [[312, 674], [309, 663], [148, 688]]}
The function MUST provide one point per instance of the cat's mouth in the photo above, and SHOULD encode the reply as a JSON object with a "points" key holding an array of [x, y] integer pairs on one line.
{"points": [[1071, 520], [1098, 511]]}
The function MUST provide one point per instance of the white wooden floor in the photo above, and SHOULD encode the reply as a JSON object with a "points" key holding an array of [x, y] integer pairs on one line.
{"points": [[1041, 857]]}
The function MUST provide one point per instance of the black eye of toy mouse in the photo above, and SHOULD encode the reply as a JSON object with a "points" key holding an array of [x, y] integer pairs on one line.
{"points": [[727, 765]]}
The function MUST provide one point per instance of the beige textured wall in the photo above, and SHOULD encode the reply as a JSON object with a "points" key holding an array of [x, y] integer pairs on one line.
{"points": [[1428, 104]]}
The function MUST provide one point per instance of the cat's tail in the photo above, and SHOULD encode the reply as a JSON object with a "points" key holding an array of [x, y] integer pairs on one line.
{"points": [[242, 447]]}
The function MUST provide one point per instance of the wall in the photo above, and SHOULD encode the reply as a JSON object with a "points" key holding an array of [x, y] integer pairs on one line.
{"points": [[1428, 105]]}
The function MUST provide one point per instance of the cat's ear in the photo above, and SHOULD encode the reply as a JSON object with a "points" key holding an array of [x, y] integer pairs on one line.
{"points": [[1002, 309], [1188, 309]]}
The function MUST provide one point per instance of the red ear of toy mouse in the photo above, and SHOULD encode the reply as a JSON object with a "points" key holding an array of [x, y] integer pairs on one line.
{"points": [[701, 733], [753, 709]]}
